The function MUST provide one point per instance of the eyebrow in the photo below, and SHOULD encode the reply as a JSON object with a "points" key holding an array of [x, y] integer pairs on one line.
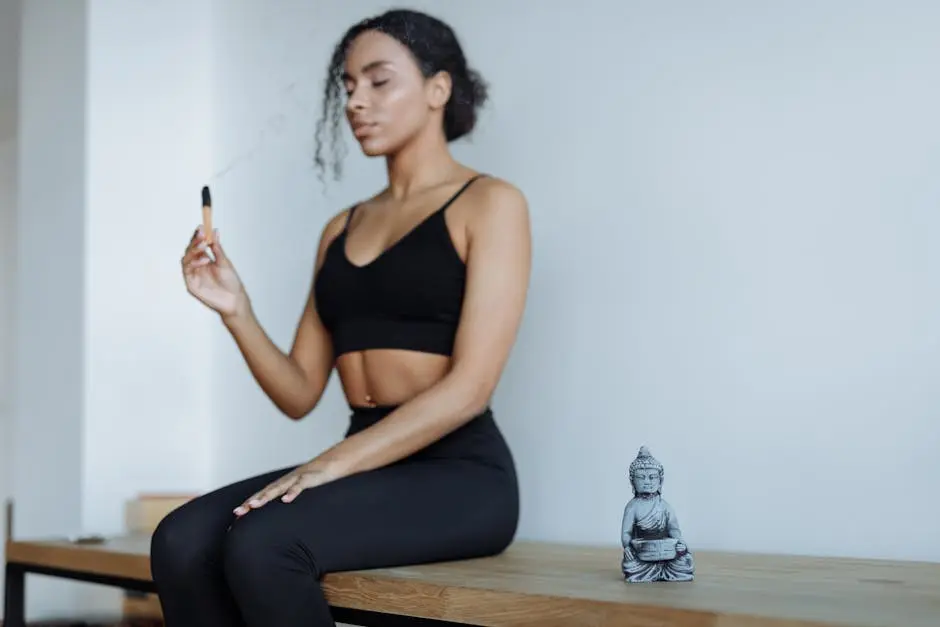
{"points": [[368, 67]]}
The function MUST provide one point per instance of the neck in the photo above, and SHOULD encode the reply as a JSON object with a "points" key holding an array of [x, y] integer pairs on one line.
{"points": [[426, 161]]}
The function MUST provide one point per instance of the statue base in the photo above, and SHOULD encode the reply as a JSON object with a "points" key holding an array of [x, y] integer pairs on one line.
{"points": [[679, 568]]}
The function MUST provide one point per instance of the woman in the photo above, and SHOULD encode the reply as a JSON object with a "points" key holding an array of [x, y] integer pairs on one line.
{"points": [[416, 299]]}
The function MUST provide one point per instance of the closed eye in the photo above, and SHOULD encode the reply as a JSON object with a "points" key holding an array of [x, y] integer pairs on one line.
{"points": [[349, 91]]}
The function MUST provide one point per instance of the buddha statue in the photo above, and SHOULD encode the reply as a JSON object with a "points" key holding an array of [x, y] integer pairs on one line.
{"points": [[653, 549]]}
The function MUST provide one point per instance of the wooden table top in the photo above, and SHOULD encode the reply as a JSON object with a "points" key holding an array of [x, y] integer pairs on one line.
{"points": [[563, 585]]}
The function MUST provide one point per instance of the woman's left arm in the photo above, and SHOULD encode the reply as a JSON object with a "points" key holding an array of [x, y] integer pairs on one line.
{"points": [[498, 268]]}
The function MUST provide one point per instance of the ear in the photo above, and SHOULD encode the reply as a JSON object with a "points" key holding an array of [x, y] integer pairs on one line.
{"points": [[439, 89]]}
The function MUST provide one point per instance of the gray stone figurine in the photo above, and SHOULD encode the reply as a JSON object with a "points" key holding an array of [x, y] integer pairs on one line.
{"points": [[653, 549]]}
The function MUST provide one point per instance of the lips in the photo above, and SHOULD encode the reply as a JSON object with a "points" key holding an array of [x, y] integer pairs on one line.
{"points": [[361, 129]]}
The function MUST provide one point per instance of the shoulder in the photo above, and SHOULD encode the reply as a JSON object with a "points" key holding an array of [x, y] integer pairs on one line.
{"points": [[330, 231], [334, 226], [497, 203], [492, 194]]}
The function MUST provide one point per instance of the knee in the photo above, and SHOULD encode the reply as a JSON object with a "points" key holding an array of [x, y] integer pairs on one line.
{"points": [[245, 547], [256, 550], [177, 545]]}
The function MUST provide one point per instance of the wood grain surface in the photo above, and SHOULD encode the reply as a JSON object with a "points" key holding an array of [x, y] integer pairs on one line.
{"points": [[562, 585]]}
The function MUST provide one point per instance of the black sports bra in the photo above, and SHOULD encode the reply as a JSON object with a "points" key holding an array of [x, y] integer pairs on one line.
{"points": [[409, 297]]}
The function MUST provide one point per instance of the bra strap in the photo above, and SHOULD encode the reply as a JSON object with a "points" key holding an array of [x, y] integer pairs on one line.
{"points": [[460, 191], [349, 216], [448, 203]]}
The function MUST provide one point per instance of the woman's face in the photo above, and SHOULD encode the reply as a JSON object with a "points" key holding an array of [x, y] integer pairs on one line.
{"points": [[388, 99]]}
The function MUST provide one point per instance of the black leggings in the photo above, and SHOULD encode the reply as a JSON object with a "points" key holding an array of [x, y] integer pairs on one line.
{"points": [[456, 499]]}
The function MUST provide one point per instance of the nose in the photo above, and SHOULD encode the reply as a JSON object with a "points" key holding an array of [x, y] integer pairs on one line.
{"points": [[356, 101]]}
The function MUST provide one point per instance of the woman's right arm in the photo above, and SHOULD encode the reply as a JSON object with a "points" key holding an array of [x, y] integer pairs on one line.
{"points": [[295, 381]]}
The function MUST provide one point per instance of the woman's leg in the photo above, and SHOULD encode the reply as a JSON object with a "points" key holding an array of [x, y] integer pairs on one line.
{"points": [[413, 512], [186, 556]]}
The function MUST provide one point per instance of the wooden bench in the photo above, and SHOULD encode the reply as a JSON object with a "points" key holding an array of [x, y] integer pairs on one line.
{"points": [[546, 585]]}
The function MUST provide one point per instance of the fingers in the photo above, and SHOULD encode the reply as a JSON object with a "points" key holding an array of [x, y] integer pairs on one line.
{"points": [[196, 253], [266, 495], [253, 501], [196, 248], [308, 479], [296, 488], [288, 488], [197, 241], [220, 257], [259, 499], [196, 256]]}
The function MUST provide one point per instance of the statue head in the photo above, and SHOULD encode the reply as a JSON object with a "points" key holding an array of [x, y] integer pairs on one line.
{"points": [[646, 474]]}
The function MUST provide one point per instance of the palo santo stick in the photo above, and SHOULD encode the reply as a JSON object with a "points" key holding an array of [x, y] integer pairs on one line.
{"points": [[207, 214]]}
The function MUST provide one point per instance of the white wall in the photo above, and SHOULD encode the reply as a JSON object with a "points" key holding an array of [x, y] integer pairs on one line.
{"points": [[146, 387], [49, 298], [734, 218], [734, 211], [111, 372]]}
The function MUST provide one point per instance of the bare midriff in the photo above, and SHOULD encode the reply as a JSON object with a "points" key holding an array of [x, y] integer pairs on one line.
{"points": [[388, 376]]}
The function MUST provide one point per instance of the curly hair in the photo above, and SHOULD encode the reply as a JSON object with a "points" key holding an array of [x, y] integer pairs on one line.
{"points": [[434, 47]]}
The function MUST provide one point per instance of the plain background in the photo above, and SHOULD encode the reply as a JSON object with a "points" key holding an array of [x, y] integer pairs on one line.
{"points": [[735, 213]]}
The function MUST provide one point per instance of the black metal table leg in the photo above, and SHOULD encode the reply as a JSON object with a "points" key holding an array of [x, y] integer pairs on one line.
{"points": [[14, 613], [14, 603], [14, 596]]}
